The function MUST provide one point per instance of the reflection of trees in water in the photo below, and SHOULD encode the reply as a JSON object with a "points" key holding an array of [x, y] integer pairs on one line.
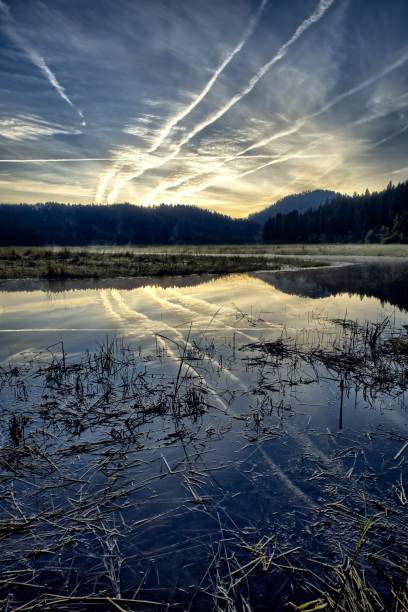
{"points": [[57, 286], [386, 282]]}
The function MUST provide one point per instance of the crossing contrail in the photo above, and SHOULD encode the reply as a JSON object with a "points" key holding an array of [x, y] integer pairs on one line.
{"points": [[174, 121], [321, 9], [111, 174], [164, 186], [323, 6]]}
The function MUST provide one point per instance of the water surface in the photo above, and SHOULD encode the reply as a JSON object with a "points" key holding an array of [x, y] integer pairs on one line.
{"points": [[284, 462]]}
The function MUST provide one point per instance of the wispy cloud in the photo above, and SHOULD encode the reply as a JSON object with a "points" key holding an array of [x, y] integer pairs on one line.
{"points": [[56, 160], [4, 8], [149, 162], [28, 127], [321, 9], [160, 82], [323, 6], [298, 125], [36, 59], [178, 117]]}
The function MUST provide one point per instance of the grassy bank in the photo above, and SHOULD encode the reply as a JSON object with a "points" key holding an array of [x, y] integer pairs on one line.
{"points": [[352, 250], [66, 263]]}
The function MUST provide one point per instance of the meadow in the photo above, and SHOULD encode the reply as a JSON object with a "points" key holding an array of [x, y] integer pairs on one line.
{"points": [[102, 262], [130, 261]]}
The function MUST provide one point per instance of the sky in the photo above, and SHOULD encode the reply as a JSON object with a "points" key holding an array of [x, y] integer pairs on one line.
{"points": [[225, 104]]}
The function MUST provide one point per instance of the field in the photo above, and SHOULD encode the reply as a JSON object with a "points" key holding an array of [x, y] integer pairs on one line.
{"points": [[130, 261], [64, 263], [348, 250]]}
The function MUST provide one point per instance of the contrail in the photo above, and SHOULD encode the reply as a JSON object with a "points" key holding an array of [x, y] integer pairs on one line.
{"points": [[323, 6], [58, 160], [4, 8], [297, 126], [174, 121], [278, 160], [390, 136], [333, 102], [171, 184], [37, 60], [107, 176], [394, 66], [321, 9]]}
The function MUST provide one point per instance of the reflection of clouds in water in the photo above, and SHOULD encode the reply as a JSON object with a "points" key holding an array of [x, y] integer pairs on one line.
{"points": [[215, 313], [126, 314], [284, 300], [37, 302], [273, 468]]}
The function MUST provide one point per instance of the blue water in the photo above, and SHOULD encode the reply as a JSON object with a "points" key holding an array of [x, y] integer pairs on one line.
{"points": [[180, 512]]}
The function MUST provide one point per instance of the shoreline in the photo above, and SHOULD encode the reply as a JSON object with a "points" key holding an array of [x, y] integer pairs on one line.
{"points": [[67, 264]]}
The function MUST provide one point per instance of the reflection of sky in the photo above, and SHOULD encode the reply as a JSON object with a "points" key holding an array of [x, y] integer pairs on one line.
{"points": [[266, 468], [198, 103], [81, 317]]}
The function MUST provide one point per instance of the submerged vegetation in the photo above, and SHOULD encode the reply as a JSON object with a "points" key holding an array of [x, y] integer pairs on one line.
{"points": [[89, 263], [191, 476]]}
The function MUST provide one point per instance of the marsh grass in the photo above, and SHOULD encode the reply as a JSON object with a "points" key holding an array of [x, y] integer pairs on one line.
{"points": [[372, 357], [85, 436], [64, 263]]}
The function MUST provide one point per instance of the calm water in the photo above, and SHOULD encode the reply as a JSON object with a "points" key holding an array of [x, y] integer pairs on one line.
{"points": [[293, 470]]}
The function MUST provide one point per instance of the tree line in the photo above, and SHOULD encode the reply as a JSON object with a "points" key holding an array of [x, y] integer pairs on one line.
{"points": [[372, 217], [73, 224]]}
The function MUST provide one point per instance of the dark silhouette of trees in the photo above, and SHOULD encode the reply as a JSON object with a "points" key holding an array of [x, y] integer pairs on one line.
{"points": [[371, 217], [64, 224], [296, 201]]}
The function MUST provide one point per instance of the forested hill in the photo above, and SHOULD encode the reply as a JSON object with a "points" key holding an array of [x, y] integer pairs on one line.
{"points": [[64, 224], [297, 201], [372, 217]]}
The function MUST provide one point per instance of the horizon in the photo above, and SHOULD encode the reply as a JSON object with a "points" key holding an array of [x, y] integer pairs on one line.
{"points": [[243, 217], [199, 105]]}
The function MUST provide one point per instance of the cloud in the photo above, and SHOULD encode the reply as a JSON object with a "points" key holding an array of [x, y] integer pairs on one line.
{"points": [[301, 122], [112, 173], [328, 86], [37, 60], [56, 160], [323, 6], [26, 127], [394, 134], [319, 12], [175, 120], [44, 188], [4, 8]]}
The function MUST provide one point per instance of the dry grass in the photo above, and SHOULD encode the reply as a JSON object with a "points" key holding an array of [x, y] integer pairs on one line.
{"points": [[86, 445], [89, 263]]}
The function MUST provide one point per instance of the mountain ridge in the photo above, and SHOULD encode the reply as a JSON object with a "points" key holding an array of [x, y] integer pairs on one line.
{"points": [[303, 201]]}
